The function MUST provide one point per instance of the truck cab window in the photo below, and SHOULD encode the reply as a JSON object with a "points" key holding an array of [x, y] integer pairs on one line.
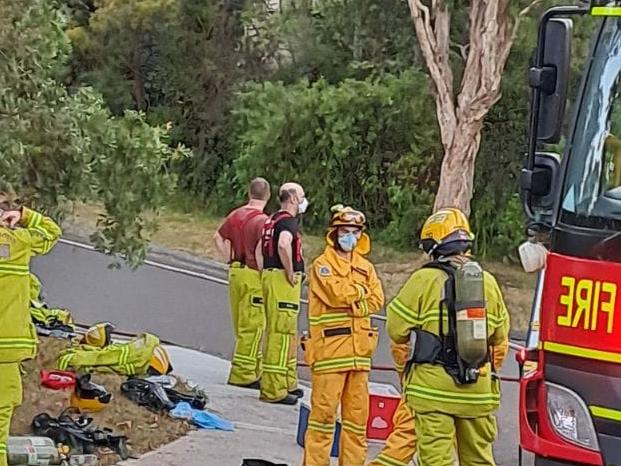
{"points": [[591, 195]]}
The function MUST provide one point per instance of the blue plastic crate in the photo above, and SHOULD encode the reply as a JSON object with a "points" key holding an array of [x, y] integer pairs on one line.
{"points": [[303, 425]]}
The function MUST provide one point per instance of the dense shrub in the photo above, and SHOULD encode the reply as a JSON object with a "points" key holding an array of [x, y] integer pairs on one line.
{"points": [[368, 143]]}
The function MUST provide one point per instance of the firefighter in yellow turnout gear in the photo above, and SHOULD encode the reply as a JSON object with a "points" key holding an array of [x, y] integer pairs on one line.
{"points": [[281, 280], [23, 234], [344, 291], [400, 446], [238, 242], [452, 397]]}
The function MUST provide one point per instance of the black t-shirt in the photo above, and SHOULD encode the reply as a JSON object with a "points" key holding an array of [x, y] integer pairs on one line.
{"points": [[279, 222]]}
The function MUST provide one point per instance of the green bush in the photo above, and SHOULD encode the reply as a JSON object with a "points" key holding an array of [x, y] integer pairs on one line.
{"points": [[58, 146], [368, 143]]}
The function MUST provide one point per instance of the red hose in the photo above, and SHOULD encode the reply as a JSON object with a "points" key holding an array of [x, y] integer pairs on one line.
{"points": [[392, 369]]}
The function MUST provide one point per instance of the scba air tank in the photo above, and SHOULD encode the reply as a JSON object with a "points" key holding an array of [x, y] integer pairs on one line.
{"points": [[471, 314]]}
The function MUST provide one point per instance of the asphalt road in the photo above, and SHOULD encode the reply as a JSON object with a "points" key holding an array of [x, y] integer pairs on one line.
{"points": [[192, 311]]}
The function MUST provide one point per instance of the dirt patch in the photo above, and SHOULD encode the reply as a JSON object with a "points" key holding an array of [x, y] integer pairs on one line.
{"points": [[145, 430]]}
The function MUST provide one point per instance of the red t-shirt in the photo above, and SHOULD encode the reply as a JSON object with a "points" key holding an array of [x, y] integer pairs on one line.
{"points": [[242, 227]]}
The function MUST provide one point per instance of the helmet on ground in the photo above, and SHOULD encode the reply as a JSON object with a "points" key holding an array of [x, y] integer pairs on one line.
{"points": [[446, 232], [160, 361], [99, 335], [89, 396], [345, 216]]}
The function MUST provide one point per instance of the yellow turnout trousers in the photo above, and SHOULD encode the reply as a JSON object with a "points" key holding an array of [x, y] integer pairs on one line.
{"points": [[282, 306], [401, 445], [248, 317], [350, 389], [10, 398], [437, 434]]}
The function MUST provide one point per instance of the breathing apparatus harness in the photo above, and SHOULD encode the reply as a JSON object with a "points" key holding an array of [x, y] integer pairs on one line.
{"points": [[442, 349]]}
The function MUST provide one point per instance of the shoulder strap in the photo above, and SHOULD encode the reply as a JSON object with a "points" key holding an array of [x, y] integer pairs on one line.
{"points": [[280, 215], [448, 302], [444, 266], [267, 235]]}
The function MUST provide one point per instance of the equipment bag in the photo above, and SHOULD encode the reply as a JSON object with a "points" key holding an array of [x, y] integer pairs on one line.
{"points": [[79, 435], [58, 380], [148, 394]]}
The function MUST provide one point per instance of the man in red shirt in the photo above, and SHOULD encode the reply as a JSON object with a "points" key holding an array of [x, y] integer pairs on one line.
{"points": [[238, 242]]}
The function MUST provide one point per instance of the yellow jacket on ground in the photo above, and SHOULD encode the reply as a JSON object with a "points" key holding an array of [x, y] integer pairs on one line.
{"points": [[35, 235], [342, 296], [129, 358], [428, 387]]}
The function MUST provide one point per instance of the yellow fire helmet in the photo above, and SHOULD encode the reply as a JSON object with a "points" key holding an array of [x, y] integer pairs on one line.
{"points": [[86, 405], [160, 362], [446, 232], [345, 216], [99, 335]]}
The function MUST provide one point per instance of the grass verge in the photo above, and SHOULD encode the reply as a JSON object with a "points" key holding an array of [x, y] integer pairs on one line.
{"points": [[192, 230]]}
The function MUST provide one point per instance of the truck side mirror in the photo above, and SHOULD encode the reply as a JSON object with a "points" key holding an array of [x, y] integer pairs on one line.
{"points": [[552, 79], [538, 186]]}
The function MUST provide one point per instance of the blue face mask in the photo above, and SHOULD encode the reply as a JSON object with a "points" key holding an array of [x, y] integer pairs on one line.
{"points": [[348, 242]]}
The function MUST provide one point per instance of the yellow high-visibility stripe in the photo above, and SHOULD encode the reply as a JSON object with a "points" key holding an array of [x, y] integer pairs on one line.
{"points": [[386, 460], [606, 413], [255, 343], [13, 269], [356, 429], [7, 344], [284, 350], [332, 317], [321, 427], [606, 11], [335, 361], [361, 292], [35, 219], [402, 311], [65, 361], [580, 352], [444, 396], [241, 358], [271, 369]]}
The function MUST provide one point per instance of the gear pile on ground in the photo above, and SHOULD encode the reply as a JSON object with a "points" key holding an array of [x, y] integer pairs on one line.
{"points": [[76, 391], [145, 430]]}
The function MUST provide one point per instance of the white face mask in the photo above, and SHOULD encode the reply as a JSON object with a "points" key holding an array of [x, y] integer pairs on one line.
{"points": [[302, 206], [533, 256], [348, 241]]}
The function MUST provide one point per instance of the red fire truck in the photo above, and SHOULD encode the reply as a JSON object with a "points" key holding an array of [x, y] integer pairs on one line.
{"points": [[570, 398]]}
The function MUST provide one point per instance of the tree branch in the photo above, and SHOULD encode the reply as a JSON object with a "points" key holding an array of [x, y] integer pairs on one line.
{"points": [[432, 26], [463, 49], [525, 11]]}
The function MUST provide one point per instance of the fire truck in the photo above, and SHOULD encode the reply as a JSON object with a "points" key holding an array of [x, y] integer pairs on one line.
{"points": [[570, 386]]}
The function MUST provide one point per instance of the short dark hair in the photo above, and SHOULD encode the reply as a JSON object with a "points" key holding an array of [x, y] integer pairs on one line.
{"points": [[259, 188]]}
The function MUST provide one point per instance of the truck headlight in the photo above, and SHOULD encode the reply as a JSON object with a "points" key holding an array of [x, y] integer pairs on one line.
{"points": [[570, 417]]}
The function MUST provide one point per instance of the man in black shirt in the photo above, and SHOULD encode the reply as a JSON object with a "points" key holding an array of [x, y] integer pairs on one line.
{"points": [[283, 267]]}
